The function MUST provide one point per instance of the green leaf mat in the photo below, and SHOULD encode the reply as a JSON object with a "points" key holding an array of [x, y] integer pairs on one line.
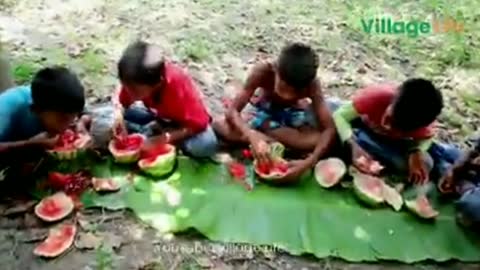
{"points": [[299, 219]]}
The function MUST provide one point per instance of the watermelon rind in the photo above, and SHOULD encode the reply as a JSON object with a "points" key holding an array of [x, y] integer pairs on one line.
{"points": [[163, 164], [69, 153], [392, 197], [62, 199], [125, 157], [413, 206], [273, 176], [65, 230], [340, 167], [359, 182], [277, 150]]}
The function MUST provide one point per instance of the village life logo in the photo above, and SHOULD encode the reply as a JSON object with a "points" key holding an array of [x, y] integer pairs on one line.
{"points": [[413, 29]]}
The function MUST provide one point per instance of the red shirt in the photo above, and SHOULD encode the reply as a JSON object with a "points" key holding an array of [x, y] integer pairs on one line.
{"points": [[179, 101], [371, 104]]}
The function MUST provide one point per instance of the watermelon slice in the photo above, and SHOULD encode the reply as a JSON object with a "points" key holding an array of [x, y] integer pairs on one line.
{"points": [[72, 183], [421, 207], [271, 172], [69, 144], [126, 148], [55, 207], [368, 189], [329, 172], [58, 241], [392, 197], [159, 160]]}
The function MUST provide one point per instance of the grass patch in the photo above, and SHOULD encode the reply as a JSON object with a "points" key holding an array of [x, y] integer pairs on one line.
{"points": [[23, 71], [196, 48], [92, 61], [434, 52]]}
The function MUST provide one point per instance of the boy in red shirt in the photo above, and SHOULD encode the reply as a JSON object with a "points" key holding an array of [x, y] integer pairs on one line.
{"points": [[282, 101], [396, 127], [170, 98]]}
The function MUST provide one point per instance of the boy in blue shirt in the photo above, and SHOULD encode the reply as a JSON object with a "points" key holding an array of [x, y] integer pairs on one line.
{"points": [[32, 117]]}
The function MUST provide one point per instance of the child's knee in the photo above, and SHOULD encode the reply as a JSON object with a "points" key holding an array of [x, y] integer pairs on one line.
{"points": [[138, 115], [468, 206], [202, 145], [219, 125]]}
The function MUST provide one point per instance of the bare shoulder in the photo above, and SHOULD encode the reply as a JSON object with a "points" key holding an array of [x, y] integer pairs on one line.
{"points": [[260, 75], [262, 69], [315, 89]]}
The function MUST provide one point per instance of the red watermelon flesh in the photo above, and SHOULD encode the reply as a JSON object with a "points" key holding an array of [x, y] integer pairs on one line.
{"points": [[58, 180], [422, 207], [51, 208], [74, 183], [329, 172], [274, 169], [265, 168], [58, 241], [375, 186], [150, 155], [238, 170], [67, 140], [128, 143], [423, 203], [55, 207]]}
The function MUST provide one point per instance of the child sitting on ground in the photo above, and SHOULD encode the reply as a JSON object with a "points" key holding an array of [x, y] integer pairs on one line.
{"points": [[170, 97], [463, 179], [286, 105], [33, 116], [395, 127]]}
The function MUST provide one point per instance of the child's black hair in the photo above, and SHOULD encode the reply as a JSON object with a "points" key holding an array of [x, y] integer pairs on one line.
{"points": [[297, 65], [57, 89], [132, 67], [417, 105]]}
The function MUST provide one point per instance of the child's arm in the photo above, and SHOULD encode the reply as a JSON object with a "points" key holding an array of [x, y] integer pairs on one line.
{"points": [[342, 118], [120, 101], [418, 171], [233, 114], [43, 140], [326, 123], [446, 183]]}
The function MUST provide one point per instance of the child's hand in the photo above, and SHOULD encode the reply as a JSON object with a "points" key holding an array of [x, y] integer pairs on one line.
{"points": [[154, 141], [261, 150], [83, 124], [119, 127], [446, 184], [418, 173], [44, 140], [363, 161]]}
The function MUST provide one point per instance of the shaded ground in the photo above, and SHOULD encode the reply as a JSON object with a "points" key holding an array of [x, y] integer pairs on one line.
{"points": [[217, 40]]}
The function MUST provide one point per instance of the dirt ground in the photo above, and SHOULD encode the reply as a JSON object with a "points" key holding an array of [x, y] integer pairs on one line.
{"points": [[217, 41]]}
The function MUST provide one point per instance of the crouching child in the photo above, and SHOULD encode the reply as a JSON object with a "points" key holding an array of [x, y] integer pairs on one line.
{"points": [[33, 116], [172, 111]]}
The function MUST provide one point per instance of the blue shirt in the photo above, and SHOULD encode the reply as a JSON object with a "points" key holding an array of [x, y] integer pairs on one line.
{"points": [[17, 120]]}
